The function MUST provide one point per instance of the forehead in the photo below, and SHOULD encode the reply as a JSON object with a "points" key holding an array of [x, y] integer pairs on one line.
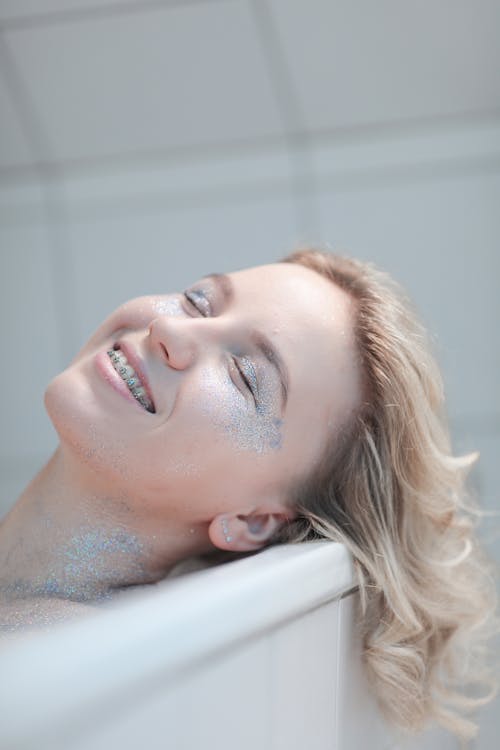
{"points": [[295, 299], [312, 293], [308, 319]]}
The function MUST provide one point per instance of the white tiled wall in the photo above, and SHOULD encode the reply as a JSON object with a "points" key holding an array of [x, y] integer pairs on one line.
{"points": [[440, 239]]}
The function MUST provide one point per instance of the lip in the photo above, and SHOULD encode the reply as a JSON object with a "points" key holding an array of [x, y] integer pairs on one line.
{"points": [[137, 364], [108, 373]]}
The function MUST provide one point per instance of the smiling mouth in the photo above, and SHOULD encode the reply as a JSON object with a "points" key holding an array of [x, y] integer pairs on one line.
{"points": [[130, 378]]}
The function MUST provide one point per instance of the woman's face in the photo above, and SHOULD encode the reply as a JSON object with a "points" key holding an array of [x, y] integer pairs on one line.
{"points": [[245, 376]]}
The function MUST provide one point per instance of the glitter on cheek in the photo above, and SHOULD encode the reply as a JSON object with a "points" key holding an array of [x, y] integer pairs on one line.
{"points": [[251, 430], [168, 306], [182, 466]]}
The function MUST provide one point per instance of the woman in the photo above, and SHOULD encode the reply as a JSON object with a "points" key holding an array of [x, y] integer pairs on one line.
{"points": [[287, 402]]}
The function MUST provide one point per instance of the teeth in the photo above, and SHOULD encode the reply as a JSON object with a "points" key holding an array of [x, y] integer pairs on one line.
{"points": [[128, 374]]}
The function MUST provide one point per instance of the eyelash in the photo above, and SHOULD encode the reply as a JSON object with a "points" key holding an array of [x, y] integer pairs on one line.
{"points": [[238, 367], [200, 294]]}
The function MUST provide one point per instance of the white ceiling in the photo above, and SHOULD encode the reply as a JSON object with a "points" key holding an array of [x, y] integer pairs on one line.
{"points": [[87, 80]]}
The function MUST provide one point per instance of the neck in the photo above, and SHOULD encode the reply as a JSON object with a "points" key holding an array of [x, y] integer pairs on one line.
{"points": [[69, 538]]}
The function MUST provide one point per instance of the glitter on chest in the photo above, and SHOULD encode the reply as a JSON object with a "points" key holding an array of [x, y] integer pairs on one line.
{"points": [[93, 558]]}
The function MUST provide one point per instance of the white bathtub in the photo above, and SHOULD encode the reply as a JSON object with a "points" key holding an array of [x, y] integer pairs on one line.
{"points": [[257, 653]]}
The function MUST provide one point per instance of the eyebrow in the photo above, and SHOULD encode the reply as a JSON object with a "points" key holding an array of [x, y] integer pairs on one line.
{"points": [[261, 341]]}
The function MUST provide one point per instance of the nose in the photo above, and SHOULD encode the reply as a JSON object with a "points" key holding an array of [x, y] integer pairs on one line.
{"points": [[175, 340]]}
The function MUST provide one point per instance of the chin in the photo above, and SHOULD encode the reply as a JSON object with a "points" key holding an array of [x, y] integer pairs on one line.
{"points": [[65, 405], [83, 431]]}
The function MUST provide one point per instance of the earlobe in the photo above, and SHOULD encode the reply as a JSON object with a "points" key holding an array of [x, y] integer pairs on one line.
{"points": [[226, 531]]}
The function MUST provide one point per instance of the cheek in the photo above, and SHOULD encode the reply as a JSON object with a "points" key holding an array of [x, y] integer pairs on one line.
{"points": [[134, 315], [80, 421], [94, 428], [213, 408], [229, 414], [66, 402], [169, 305]]}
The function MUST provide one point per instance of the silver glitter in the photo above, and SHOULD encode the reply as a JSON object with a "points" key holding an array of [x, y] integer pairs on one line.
{"points": [[257, 430], [94, 557], [87, 567], [182, 466], [168, 306], [38, 614]]}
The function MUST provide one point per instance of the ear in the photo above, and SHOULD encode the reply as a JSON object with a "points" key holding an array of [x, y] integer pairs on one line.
{"points": [[246, 532]]}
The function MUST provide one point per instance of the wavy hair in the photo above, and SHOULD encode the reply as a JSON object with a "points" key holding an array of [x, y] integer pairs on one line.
{"points": [[389, 488]]}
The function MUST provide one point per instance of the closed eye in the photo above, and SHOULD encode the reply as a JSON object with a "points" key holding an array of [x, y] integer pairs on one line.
{"points": [[197, 299], [244, 378]]}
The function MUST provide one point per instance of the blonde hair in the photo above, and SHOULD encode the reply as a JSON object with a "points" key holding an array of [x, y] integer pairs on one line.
{"points": [[389, 488]]}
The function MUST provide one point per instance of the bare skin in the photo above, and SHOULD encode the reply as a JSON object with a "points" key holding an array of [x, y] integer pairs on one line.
{"points": [[135, 488]]}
